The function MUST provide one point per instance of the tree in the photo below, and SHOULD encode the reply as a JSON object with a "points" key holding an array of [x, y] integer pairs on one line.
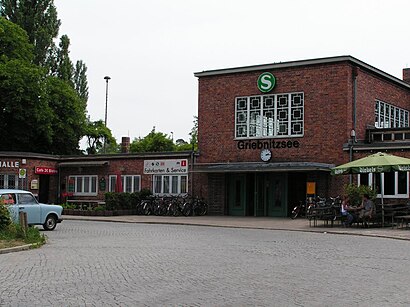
{"points": [[80, 80], [153, 142], [65, 68], [25, 115], [14, 42], [96, 132], [69, 116], [39, 19], [24, 111], [181, 145]]}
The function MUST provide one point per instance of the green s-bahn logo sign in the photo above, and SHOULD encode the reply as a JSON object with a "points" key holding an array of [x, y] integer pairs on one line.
{"points": [[266, 82]]}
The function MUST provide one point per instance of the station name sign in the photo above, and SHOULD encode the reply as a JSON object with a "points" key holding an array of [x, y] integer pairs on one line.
{"points": [[39, 170], [267, 144], [9, 164], [158, 167]]}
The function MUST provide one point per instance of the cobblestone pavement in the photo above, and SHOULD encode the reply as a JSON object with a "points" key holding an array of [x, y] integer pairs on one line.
{"points": [[88, 263]]}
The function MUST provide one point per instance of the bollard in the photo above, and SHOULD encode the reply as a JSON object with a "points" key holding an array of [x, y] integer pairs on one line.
{"points": [[23, 221]]}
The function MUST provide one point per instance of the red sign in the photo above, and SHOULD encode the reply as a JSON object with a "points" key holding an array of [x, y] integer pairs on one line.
{"points": [[39, 170]]}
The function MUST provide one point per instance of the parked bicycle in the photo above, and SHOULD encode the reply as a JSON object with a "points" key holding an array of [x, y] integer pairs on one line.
{"points": [[303, 208]]}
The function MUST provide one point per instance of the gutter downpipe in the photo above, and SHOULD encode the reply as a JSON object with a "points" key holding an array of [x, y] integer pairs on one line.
{"points": [[353, 132]]}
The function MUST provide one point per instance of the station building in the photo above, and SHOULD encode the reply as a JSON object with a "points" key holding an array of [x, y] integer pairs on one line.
{"points": [[57, 179], [268, 136]]}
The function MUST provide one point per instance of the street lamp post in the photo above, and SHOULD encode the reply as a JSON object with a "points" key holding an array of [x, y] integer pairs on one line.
{"points": [[106, 78]]}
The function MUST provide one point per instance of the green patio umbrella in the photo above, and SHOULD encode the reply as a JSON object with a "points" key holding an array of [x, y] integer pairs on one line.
{"points": [[376, 163]]}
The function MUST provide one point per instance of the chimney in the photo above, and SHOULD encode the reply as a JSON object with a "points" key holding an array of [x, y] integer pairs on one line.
{"points": [[406, 75], [125, 144]]}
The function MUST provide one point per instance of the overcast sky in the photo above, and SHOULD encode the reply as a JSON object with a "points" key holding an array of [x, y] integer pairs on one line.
{"points": [[151, 49]]}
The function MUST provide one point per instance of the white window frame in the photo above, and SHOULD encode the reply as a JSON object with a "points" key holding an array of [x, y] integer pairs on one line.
{"points": [[396, 186], [391, 117], [166, 184], [4, 180], [85, 178], [259, 125], [112, 179]]}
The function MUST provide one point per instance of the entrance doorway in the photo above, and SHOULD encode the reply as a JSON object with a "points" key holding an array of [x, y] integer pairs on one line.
{"points": [[44, 187], [257, 194]]}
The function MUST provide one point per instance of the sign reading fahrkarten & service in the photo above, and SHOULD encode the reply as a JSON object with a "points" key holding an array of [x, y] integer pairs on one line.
{"points": [[158, 167]]}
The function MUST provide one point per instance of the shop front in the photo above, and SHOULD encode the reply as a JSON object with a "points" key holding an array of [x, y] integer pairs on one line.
{"points": [[258, 189]]}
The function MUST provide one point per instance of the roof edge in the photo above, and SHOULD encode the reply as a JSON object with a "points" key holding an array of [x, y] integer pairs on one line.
{"points": [[298, 63]]}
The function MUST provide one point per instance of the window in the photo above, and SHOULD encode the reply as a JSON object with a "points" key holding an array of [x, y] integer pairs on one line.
{"points": [[84, 185], [8, 181], [392, 184], [279, 115], [175, 184], [389, 116], [130, 183], [26, 199]]}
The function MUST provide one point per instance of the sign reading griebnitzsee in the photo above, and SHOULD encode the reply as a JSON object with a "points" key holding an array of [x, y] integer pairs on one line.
{"points": [[156, 167]]}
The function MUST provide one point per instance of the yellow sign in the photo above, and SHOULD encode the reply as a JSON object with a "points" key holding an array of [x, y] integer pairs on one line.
{"points": [[311, 188]]}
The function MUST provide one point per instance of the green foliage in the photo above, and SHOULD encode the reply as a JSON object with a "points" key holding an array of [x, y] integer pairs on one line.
{"points": [[80, 80], [100, 208], [5, 220], [68, 206], [68, 120], [95, 133], [153, 142], [40, 114], [14, 42], [25, 120], [16, 232], [39, 19], [194, 134], [356, 193], [65, 68], [124, 201]]}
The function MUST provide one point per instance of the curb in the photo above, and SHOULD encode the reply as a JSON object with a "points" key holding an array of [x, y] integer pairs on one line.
{"points": [[319, 231], [17, 248]]}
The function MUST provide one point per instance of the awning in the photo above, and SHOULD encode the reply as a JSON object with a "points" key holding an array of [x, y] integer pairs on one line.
{"points": [[263, 167], [83, 164]]}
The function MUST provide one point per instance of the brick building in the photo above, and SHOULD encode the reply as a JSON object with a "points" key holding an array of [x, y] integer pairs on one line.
{"points": [[56, 179], [268, 135], [266, 131]]}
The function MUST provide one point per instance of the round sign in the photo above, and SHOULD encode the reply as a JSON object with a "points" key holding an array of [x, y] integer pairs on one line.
{"points": [[266, 82]]}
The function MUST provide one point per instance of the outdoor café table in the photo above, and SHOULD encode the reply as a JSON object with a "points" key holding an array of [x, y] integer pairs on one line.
{"points": [[390, 210], [402, 220]]}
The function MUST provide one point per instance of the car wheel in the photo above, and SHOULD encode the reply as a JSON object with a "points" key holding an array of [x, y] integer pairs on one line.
{"points": [[50, 223]]}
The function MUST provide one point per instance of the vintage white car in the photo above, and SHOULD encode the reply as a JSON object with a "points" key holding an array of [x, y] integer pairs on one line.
{"points": [[37, 214]]}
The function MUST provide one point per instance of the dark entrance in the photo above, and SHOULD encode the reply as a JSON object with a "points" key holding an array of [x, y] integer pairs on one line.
{"points": [[257, 194], [297, 189], [44, 186]]}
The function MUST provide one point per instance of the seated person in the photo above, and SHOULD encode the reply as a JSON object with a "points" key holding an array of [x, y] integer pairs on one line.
{"points": [[344, 210], [366, 208]]}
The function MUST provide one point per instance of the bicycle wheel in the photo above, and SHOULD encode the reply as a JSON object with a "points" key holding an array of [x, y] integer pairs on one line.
{"points": [[147, 209], [187, 209], [295, 212], [171, 209], [200, 208]]}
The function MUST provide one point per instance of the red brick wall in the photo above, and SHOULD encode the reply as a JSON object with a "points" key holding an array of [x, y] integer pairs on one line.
{"points": [[328, 105], [327, 93]]}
